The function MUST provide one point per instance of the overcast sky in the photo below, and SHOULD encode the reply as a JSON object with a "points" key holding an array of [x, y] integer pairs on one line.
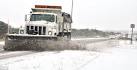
{"points": [[99, 14]]}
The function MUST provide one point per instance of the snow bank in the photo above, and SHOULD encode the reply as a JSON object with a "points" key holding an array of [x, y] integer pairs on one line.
{"points": [[127, 44], [121, 57], [118, 59]]}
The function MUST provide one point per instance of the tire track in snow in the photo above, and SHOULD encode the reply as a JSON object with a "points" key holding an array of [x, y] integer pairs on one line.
{"points": [[6, 54]]}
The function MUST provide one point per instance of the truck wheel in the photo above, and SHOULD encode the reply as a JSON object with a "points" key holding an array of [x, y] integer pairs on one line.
{"points": [[69, 36]]}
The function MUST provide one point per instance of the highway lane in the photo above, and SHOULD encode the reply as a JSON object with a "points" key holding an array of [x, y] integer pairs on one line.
{"points": [[10, 54]]}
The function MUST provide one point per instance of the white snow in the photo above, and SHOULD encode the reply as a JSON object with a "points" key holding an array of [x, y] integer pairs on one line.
{"points": [[121, 57], [64, 60]]}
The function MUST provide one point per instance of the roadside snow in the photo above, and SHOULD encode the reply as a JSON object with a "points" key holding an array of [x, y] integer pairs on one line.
{"points": [[122, 57], [119, 59]]}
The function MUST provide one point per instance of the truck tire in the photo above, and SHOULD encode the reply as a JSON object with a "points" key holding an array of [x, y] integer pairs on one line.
{"points": [[69, 36]]}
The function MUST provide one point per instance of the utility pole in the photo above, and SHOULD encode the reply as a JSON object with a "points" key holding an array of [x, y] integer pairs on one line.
{"points": [[72, 8], [8, 26], [132, 26]]}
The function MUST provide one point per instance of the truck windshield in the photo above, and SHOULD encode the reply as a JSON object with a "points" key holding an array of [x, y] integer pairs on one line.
{"points": [[42, 17]]}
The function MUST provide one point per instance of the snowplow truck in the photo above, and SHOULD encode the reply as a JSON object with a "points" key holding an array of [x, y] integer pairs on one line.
{"points": [[44, 23]]}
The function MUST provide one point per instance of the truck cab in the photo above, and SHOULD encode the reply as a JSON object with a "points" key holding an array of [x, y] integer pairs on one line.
{"points": [[41, 24], [46, 20]]}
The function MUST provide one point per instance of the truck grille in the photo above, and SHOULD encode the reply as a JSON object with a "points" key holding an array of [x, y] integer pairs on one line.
{"points": [[34, 30]]}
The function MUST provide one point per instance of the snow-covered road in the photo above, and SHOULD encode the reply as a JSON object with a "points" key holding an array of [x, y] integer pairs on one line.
{"points": [[112, 55], [10, 54]]}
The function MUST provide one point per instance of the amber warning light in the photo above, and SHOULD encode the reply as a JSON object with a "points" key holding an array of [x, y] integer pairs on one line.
{"points": [[47, 6]]}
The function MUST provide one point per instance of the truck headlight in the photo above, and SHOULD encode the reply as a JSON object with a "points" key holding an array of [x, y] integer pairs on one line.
{"points": [[49, 33], [21, 31]]}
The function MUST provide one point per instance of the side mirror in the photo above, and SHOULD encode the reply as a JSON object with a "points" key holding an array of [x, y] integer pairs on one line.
{"points": [[27, 17], [59, 19]]}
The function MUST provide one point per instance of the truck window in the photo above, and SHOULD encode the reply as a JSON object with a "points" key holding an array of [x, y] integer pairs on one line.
{"points": [[42, 17]]}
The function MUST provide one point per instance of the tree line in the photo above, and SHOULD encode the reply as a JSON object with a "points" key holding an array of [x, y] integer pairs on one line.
{"points": [[3, 29], [90, 33]]}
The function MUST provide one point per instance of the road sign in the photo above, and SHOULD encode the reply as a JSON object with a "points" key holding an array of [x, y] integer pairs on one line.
{"points": [[132, 25]]}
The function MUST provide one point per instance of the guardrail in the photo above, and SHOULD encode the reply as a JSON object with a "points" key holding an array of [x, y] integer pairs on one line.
{"points": [[90, 40]]}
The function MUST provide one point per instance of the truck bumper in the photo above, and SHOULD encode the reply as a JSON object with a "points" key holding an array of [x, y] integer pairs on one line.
{"points": [[23, 36]]}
